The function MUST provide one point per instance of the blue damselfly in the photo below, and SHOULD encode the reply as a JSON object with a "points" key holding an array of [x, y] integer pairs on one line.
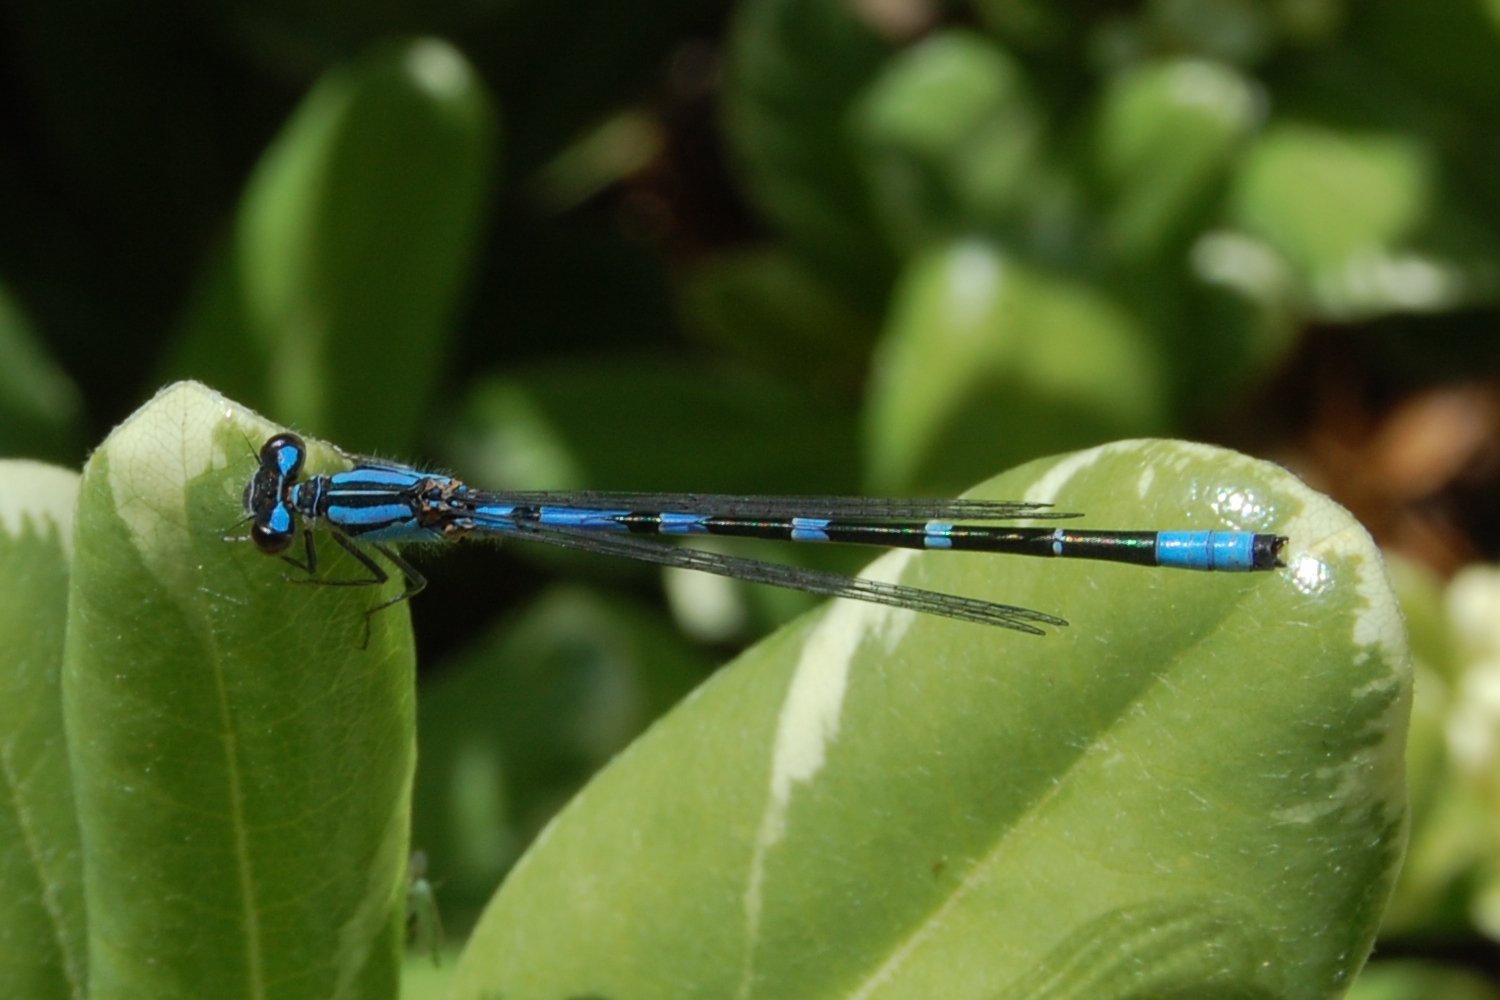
{"points": [[381, 504]]}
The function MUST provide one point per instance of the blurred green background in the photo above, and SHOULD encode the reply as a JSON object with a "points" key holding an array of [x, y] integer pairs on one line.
{"points": [[789, 246]]}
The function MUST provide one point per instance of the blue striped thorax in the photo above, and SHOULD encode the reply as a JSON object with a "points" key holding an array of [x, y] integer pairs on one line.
{"points": [[372, 503]]}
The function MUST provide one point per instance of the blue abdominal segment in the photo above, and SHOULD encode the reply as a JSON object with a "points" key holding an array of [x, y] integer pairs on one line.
{"points": [[1222, 551], [597, 520], [935, 535], [809, 529], [684, 524], [503, 514]]}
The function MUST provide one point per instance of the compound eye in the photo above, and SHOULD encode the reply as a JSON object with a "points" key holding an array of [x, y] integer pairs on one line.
{"points": [[285, 453], [269, 540]]}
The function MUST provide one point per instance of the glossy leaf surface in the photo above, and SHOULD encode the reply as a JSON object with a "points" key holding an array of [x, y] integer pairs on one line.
{"points": [[1195, 788], [242, 766], [43, 952]]}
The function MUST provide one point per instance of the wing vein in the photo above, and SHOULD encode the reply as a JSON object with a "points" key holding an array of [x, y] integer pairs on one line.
{"points": [[793, 577]]}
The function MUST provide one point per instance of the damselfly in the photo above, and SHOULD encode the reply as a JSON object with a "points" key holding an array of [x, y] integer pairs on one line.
{"points": [[380, 504]]}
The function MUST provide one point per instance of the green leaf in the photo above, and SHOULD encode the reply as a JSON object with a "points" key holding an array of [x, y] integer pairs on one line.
{"points": [[650, 426], [1451, 880], [1452, 835], [987, 361], [1452, 843], [559, 69], [354, 242], [1238, 31], [421, 980], [1418, 980], [769, 308], [516, 725], [794, 68], [1231, 324], [1032, 26], [1434, 670], [932, 96], [624, 145], [1166, 134], [1339, 207], [241, 764], [1450, 49], [1321, 196], [39, 405], [1196, 788], [951, 137], [43, 952]]}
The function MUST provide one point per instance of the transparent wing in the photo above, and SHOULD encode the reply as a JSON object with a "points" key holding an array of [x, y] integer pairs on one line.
{"points": [[793, 577], [729, 505]]}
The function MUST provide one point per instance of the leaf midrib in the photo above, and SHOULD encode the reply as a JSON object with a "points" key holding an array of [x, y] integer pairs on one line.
{"points": [[229, 739], [978, 871]]}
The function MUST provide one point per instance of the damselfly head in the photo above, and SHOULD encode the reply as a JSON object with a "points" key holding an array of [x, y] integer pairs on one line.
{"points": [[268, 494]]}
